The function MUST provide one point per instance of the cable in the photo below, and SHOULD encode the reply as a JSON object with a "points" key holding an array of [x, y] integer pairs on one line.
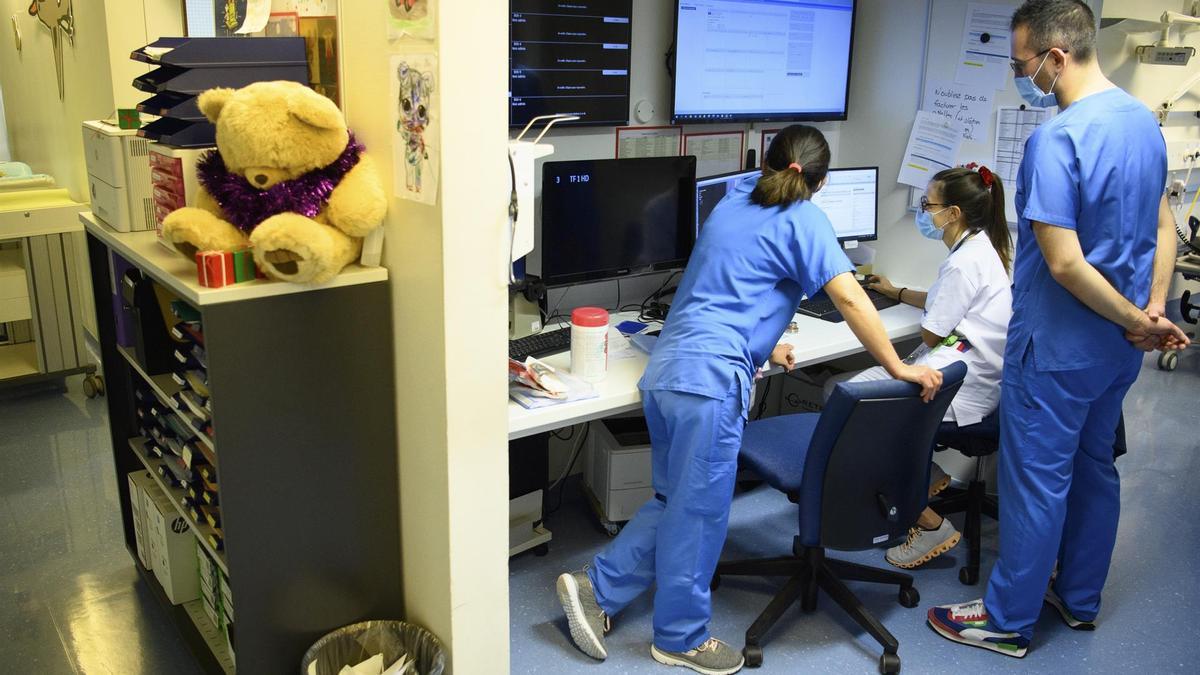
{"points": [[561, 483], [513, 213], [564, 438], [762, 401]]}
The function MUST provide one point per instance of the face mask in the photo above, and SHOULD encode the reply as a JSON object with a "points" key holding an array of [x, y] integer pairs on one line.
{"points": [[926, 227], [1032, 94]]}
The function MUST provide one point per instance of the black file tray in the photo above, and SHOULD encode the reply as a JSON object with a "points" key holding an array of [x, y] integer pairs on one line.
{"points": [[179, 133], [196, 80], [226, 52], [172, 104]]}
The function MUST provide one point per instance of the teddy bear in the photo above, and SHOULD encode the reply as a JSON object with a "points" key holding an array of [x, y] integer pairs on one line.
{"points": [[287, 180]]}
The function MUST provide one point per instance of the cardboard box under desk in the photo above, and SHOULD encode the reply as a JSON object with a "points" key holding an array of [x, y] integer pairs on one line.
{"points": [[173, 548]]}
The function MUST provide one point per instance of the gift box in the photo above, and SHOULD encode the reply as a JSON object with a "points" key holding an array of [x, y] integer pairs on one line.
{"points": [[214, 269], [243, 265], [128, 118]]}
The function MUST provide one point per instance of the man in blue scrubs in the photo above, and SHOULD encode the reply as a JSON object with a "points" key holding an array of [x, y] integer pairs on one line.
{"points": [[1094, 258]]}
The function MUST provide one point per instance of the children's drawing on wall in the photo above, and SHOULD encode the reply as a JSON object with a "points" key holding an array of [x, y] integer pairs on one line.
{"points": [[306, 7], [59, 18], [416, 145], [411, 18], [283, 24], [320, 41]]}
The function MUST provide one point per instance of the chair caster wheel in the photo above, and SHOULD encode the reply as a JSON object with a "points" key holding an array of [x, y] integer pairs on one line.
{"points": [[909, 597], [541, 550], [93, 386], [715, 583], [968, 576], [1168, 361], [889, 663], [753, 655]]}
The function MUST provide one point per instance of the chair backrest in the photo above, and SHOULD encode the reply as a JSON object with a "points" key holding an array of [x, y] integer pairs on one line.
{"points": [[866, 474]]}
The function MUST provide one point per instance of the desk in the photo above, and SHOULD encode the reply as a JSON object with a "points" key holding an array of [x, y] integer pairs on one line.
{"points": [[816, 341]]}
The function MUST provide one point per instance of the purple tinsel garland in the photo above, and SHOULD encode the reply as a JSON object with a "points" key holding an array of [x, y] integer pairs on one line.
{"points": [[246, 206]]}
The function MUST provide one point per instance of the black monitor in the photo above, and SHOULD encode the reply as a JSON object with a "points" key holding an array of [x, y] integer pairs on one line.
{"points": [[571, 57], [710, 192], [762, 60], [850, 199], [608, 218]]}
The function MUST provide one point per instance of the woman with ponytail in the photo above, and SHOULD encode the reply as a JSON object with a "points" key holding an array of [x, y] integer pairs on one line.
{"points": [[966, 319], [763, 248]]}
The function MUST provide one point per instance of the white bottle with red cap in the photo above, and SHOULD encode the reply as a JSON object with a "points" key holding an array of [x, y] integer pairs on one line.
{"points": [[589, 343]]}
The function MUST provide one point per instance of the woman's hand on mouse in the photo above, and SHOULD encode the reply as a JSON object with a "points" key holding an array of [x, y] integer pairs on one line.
{"points": [[881, 283], [782, 356]]}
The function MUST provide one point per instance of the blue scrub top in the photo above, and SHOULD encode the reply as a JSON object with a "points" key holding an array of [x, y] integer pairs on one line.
{"points": [[747, 273], [1097, 168]]}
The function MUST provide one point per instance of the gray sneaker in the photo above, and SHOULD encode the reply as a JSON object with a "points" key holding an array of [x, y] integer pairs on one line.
{"points": [[1068, 618], [588, 622], [711, 658], [938, 479], [923, 545]]}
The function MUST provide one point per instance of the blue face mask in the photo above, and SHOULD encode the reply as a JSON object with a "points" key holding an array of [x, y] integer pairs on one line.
{"points": [[1032, 94], [926, 227]]}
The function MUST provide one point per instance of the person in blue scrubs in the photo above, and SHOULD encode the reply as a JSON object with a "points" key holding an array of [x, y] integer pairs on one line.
{"points": [[1095, 253], [763, 248]]}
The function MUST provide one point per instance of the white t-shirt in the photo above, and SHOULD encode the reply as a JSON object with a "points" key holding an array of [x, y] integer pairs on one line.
{"points": [[971, 298]]}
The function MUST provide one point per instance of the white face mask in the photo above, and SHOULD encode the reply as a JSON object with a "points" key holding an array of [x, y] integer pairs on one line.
{"points": [[1033, 94]]}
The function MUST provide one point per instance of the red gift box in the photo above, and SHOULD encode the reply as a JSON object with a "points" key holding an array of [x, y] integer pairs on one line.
{"points": [[214, 269]]}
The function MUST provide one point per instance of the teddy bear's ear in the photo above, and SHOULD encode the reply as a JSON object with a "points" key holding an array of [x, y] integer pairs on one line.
{"points": [[213, 101], [314, 109]]}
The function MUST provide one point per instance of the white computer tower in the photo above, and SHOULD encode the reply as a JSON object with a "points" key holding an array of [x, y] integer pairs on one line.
{"points": [[118, 168], [617, 470]]}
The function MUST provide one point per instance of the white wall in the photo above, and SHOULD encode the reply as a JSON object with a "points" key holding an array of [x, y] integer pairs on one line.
{"points": [[3, 130], [448, 282]]}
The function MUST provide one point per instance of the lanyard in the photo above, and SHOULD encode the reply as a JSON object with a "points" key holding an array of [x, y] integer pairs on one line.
{"points": [[962, 241]]}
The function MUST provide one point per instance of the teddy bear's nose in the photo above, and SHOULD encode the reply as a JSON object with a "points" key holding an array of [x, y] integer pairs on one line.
{"points": [[261, 179]]}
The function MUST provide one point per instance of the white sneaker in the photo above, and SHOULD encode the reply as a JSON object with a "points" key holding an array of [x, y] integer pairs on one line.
{"points": [[923, 545], [711, 658], [938, 479]]}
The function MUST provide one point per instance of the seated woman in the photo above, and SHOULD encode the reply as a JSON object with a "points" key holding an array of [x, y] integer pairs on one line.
{"points": [[966, 318]]}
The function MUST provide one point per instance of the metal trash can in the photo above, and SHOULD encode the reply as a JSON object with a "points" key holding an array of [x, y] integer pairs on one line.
{"points": [[353, 644]]}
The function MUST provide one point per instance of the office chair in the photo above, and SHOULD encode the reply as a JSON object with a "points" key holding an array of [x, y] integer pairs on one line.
{"points": [[859, 471]]}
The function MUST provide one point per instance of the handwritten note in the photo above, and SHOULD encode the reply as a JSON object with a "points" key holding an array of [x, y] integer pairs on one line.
{"points": [[972, 106]]}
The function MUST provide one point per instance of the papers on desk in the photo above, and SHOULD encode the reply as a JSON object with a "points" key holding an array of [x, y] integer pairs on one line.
{"points": [[534, 384]]}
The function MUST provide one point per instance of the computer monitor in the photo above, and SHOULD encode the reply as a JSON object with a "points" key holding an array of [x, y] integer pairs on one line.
{"points": [[608, 218], [710, 191], [569, 57], [851, 200], [762, 60]]}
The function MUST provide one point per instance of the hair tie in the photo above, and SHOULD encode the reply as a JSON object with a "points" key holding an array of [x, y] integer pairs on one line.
{"points": [[798, 167], [987, 176]]}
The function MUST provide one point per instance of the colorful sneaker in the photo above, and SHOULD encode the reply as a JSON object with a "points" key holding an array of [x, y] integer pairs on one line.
{"points": [[923, 545], [711, 658], [588, 622], [967, 624], [1068, 618], [938, 479]]}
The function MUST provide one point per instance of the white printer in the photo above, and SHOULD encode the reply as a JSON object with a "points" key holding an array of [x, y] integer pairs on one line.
{"points": [[118, 168]]}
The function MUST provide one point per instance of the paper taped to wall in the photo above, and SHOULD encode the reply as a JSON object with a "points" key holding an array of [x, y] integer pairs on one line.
{"points": [[1014, 126], [257, 13], [932, 146], [970, 105], [984, 58]]}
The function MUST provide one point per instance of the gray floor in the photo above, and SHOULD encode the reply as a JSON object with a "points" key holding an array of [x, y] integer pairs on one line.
{"points": [[1147, 622], [70, 598]]}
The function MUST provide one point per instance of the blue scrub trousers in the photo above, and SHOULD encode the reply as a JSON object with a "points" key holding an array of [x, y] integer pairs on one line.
{"points": [[676, 538], [1059, 489]]}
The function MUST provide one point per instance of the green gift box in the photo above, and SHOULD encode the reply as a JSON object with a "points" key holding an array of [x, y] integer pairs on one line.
{"points": [[243, 266], [128, 118]]}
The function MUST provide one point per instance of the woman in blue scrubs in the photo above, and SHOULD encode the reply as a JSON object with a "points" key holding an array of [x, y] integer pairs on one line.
{"points": [[763, 248]]}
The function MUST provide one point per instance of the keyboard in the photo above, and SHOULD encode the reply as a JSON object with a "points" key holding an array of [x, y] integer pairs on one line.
{"points": [[823, 307], [540, 344]]}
